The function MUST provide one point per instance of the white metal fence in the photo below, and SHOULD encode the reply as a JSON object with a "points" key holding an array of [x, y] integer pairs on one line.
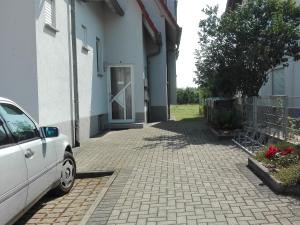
{"points": [[265, 119], [277, 116], [268, 118]]}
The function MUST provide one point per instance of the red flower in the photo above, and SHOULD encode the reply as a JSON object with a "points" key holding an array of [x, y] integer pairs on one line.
{"points": [[287, 151], [271, 152]]}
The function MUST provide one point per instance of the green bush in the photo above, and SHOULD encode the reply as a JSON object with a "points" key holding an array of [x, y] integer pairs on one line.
{"points": [[187, 96], [201, 110], [227, 119]]}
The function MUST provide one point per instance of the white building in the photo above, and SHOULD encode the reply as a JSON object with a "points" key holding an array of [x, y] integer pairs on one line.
{"points": [[87, 65]]}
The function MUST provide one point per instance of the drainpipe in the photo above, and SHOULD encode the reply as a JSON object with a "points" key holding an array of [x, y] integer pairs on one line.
{"points": [[75, 73]]}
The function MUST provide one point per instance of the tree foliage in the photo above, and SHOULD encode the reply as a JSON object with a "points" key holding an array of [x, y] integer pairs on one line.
{"points": [[237, 49], [187, 95]]}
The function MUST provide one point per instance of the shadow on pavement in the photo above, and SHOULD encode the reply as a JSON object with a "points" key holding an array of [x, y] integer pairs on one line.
{"points": [[35, 208], [183, 133]]}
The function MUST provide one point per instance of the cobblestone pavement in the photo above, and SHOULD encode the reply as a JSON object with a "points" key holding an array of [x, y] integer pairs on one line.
{"points": [[68, 209], [178, 173]]}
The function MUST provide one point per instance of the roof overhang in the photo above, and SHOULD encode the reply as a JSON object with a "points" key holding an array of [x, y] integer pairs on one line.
{"points": [[112, 4], [149, 25], [173, 29]]}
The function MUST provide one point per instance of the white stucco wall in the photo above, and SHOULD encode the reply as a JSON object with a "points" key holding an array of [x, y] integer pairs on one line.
{"points": [[266, 89], [92, 88], [18, 74], [55, 78], [54, 68], [292, 81], [158, 64], [124, 45]]}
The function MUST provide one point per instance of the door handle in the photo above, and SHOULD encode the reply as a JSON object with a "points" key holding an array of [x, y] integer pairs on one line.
{"points": [[29, 153]]}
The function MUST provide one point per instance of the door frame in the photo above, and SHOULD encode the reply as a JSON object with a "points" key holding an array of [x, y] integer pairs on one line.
{"points": [[110, 120]]}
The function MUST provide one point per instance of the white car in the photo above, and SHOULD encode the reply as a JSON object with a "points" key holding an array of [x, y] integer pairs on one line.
{"points": [[33, 160]]}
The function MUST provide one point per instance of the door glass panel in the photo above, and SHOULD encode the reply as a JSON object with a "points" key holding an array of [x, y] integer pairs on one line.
{"points": [[117, 111], [121, 97], [120, 77], [128, 103]]}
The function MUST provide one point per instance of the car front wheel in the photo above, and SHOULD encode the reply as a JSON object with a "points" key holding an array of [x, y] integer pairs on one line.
{"points": [[67, 175]]}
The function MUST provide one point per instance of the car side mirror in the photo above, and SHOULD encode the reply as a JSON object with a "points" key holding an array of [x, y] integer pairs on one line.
{"points": [[50, 132]]}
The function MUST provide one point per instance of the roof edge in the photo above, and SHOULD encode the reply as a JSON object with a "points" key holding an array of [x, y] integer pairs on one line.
{"points": [[113, 4], [171, 20], [117, 7], [149, 23], [168, 14]]}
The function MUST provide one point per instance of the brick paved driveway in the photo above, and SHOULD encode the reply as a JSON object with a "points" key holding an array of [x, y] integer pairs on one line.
{"points": [[65, 210], [178, 173]]}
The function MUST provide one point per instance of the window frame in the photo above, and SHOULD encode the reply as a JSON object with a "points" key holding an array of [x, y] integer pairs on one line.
{"points": [[8, 130]]}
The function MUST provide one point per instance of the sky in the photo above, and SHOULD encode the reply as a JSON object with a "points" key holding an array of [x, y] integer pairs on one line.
{"points": [[188, 16]]}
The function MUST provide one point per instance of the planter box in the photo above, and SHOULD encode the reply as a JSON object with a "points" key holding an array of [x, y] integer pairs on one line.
{"points": [[277, 186]]}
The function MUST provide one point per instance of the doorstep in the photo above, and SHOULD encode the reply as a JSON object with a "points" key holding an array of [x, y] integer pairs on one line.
{"points": [[120, 126]]}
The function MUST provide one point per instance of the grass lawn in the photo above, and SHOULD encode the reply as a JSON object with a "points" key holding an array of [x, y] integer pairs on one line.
{"points": [[185, 112]]}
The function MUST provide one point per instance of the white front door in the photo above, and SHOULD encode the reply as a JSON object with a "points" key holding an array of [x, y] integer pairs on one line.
{"points": [[120, 94]]}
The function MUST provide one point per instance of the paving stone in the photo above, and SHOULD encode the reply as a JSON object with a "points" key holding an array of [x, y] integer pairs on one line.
{"points": [[65, 209], [178, 173]]}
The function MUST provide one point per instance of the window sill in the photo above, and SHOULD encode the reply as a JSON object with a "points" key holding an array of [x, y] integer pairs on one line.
{"points": [[51, 28]]}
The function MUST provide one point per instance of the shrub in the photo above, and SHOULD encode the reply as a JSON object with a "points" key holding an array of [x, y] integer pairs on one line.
{"points": [[187, 96], [229, 119]]}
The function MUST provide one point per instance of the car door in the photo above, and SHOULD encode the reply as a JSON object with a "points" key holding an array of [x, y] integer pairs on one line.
{"points": [[39, 158], [13, 183]]}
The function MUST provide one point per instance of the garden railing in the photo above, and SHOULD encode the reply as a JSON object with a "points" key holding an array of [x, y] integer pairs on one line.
{"points": [[265, 119]]}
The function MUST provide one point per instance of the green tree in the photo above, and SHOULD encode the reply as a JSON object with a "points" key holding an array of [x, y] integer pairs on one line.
{"points": [[237, 49], [187, 95]]}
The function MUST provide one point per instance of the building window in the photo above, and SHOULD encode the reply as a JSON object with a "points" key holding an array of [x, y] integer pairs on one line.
{"points": [[50, 14], [278, 82], [99, 57]]}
